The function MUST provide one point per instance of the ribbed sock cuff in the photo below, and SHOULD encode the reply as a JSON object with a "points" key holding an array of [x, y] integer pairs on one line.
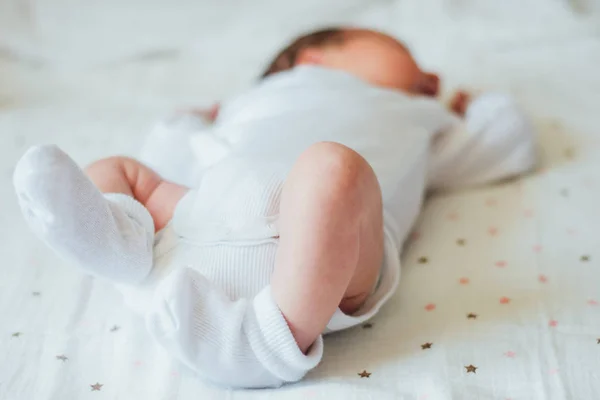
{"points": [[282, 356], [134, 209]]}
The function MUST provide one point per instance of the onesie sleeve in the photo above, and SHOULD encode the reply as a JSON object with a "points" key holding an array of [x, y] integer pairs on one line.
{"points": [[494, 141], [242, 344], [167, 148]]}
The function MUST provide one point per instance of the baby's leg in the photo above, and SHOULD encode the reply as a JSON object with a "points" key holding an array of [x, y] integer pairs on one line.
{"points": [[330, 252], [109, 235], [331, 239], [128, 176]]}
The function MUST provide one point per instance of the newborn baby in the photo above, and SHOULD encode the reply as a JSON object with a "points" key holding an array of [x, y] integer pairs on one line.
{"points": [[302, 194]]}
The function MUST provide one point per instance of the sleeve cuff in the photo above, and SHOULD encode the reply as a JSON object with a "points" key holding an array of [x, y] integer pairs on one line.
{"points": [[484, 110], [186, 122]]}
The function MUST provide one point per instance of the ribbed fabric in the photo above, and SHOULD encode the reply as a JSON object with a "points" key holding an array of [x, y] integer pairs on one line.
{"points": [[244, 343], [239, 270], [119, 202], [238, 200]]}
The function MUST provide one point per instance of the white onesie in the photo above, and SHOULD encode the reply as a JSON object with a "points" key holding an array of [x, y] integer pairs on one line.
{"points": [[207, 297], [226, 228]]}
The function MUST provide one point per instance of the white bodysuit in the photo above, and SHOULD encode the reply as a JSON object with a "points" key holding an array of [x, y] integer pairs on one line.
{"points": [[226, 228], [206, 297]]}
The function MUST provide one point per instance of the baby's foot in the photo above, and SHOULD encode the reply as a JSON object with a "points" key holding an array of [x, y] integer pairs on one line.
{"points": [[45, 179], [110, 235]]}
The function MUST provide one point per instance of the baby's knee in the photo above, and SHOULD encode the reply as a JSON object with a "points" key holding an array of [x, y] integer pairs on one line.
{"points": [[334, 158], [341, 169]]}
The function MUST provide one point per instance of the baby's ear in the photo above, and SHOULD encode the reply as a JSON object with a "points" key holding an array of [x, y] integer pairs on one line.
{"points": [[311, 56]]}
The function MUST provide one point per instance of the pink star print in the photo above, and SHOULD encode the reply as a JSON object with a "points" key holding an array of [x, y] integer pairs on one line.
{"points": [[493, 231], [571, 231], [138, 363], [510, 354], [430, 307], [553, 323], [504, 300], [537, 248], [592, 302], [500, 264], [464, 281], [553, 371], [588, 182], [518, 187], [415, 236], [491, 202], [528, 213], [543, 278], [453, 216]]}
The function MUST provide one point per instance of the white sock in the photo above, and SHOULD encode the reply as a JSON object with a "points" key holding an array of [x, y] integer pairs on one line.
{"points": [[107, 235], [245, 343]]}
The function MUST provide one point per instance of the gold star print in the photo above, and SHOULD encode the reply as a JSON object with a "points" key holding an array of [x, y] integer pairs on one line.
{"points": [[585, 258], [426, 346], [471, 368], [115, 328], [461, 242], [96, 387], [423, 260], [364, 374], [368, 325], [62, 357], [17, 334], [472, 316], [569, 153]]}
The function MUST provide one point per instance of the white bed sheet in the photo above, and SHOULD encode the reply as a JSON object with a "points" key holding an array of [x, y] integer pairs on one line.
{"points": [[523, 256]]}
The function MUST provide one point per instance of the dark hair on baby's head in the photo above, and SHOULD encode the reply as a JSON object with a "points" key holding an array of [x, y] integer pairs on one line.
{"points": [[286, 59]]}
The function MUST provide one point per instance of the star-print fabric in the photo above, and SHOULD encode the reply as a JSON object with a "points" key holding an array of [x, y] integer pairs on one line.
{"points": [[499, 294], [499, 297]]}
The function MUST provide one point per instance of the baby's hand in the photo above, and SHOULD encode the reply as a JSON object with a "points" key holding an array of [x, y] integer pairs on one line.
{"points": [[428, 85], [459, 103], [209, 114]]}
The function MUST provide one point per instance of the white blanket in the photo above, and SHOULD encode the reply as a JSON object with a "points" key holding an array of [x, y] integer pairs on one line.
{"points": [[522, 256]]}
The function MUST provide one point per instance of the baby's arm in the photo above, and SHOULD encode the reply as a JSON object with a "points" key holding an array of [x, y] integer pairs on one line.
{"points": [[493, 141]]}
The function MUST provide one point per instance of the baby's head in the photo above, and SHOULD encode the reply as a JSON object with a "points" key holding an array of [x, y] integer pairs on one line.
{"points": [[372, 56]]}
